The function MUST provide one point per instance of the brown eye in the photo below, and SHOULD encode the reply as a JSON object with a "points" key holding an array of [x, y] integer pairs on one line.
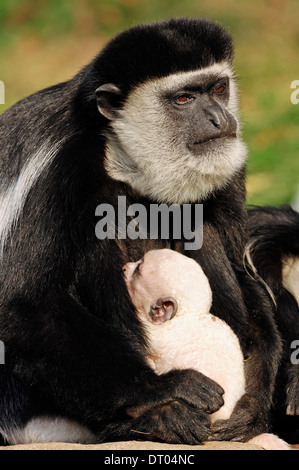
{"points": [[183, 99], [220, 89]]}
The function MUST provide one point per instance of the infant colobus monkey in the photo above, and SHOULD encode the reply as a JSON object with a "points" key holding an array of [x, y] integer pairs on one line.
{"points": [[173, 299]]}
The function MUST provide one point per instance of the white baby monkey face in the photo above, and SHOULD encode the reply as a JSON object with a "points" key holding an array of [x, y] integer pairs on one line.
{"points": [[150, 296], [164, 283]]}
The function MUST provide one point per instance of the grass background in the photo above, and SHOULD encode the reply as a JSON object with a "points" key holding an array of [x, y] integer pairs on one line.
{"points": [[43, 42]]}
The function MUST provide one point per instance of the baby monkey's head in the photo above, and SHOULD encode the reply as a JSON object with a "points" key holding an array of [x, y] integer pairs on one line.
{"points": [[165, 283]]}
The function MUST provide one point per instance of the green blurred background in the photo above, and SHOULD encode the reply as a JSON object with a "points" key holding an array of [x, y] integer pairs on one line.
{"points": [[43, 42]]}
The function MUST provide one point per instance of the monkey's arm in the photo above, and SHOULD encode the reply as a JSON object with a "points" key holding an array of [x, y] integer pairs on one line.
{"points": [[90, 373], [88, 365]]}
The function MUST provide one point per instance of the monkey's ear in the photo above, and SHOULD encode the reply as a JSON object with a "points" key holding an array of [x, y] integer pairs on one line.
{"points": [[107, 95], [163, 310]]}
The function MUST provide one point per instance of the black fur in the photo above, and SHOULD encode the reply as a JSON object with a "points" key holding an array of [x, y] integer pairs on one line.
{"points": [[274, 235], [71, 334]]}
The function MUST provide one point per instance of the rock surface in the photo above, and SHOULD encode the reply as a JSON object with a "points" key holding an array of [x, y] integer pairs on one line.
{"points": [[134, 446]]}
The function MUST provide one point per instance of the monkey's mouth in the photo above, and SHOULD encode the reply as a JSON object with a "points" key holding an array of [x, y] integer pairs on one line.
{"points": [[202, 147], [220, 139]]}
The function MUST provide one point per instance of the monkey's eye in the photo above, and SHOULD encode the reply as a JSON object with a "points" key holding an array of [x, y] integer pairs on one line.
{"points": [[220, 89], [183, 99], [137, 269]]}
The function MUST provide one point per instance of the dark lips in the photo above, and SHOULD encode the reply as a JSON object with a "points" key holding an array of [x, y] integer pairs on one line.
{"points": [[224, 138], [200, 147]]}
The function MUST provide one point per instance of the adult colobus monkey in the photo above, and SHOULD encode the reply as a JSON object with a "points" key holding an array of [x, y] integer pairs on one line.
{"points": [[154, 118]]}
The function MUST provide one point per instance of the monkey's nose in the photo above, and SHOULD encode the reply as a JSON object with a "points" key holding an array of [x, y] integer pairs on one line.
{"points": [[213, 117], [128, 270]]}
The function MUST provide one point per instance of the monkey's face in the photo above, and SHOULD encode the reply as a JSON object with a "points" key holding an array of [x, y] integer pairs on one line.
{"points": [[176, 139], [165, 283], [147, 287]]}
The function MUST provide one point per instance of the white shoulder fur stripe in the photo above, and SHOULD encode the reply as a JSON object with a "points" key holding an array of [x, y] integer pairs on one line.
{"points": [[12, 200]]}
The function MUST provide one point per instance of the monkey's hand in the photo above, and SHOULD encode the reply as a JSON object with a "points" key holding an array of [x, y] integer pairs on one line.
{"points": [[195, 389], [180, 410], [247, 420], [174, 422]]}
